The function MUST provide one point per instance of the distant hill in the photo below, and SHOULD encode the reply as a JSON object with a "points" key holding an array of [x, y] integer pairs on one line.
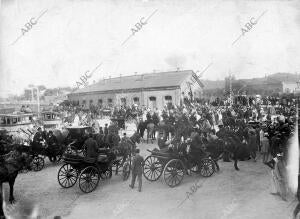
{"points": [[208, 84], [273, 79]]}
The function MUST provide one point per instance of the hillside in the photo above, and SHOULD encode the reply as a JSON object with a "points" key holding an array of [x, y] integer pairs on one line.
{"points": [[274, 79]]}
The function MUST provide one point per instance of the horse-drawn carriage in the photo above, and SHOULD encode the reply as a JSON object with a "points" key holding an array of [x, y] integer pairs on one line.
{"points": [[54, 153], [39, 151], [174, 162], [87, 171]]}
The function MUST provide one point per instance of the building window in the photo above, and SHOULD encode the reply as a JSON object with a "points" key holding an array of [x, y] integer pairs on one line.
{"points": [[152, 103], [83, 102], [109, 101], [168, 98], [100, 102], [136, 100], [152, 98], [91, 102]]}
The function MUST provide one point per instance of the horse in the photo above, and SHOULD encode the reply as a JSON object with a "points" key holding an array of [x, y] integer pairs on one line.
{"points": [[10, 165], [232, 145], [141, 127], [150, 131]]}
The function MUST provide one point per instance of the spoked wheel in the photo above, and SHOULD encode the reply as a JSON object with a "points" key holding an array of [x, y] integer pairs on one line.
{"points": [[37, 163], [207, 167], [126, 170], [107, 174], [67, 176], [89, 179], [174, 172], [152, 168]]}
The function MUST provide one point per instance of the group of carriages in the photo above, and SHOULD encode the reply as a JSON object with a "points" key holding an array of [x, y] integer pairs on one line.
{"points": [[172, 164], [115, 158]]}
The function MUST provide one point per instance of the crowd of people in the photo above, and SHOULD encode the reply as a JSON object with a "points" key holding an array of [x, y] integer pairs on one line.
{"points": [[263, 127]]}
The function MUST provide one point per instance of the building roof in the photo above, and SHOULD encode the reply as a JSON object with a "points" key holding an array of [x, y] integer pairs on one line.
{"points": [[152, 80]]}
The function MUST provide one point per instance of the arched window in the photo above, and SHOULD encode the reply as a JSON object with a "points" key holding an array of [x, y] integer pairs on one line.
{"points": [[109, 100], [136, 100], [91, 102], [83, 102]]}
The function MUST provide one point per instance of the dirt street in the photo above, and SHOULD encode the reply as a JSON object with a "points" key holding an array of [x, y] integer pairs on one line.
{"points": [[243, 194]]}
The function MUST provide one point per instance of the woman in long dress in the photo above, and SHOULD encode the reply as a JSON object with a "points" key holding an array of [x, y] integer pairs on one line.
{"points": [[279, 178]]}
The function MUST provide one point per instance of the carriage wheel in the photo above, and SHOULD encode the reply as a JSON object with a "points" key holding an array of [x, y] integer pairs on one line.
{"points": [[37, 163], [152, 168], [67, 176], [107, 174], [174, 172], [206, 167], [89, 179], [126, 171]]}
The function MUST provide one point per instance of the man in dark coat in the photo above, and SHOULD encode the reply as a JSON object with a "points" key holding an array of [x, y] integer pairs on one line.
{"points": [[37, 140], [137, 169], [52, 146], [101, 131], [91, 147]]}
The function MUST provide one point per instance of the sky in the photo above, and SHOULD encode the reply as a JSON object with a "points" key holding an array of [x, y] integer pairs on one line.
{"points": [[75, 36]]}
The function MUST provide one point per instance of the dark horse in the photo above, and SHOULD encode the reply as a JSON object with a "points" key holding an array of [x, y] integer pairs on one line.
{"points": [[125, 148], [231, 144], [10, 165]]}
